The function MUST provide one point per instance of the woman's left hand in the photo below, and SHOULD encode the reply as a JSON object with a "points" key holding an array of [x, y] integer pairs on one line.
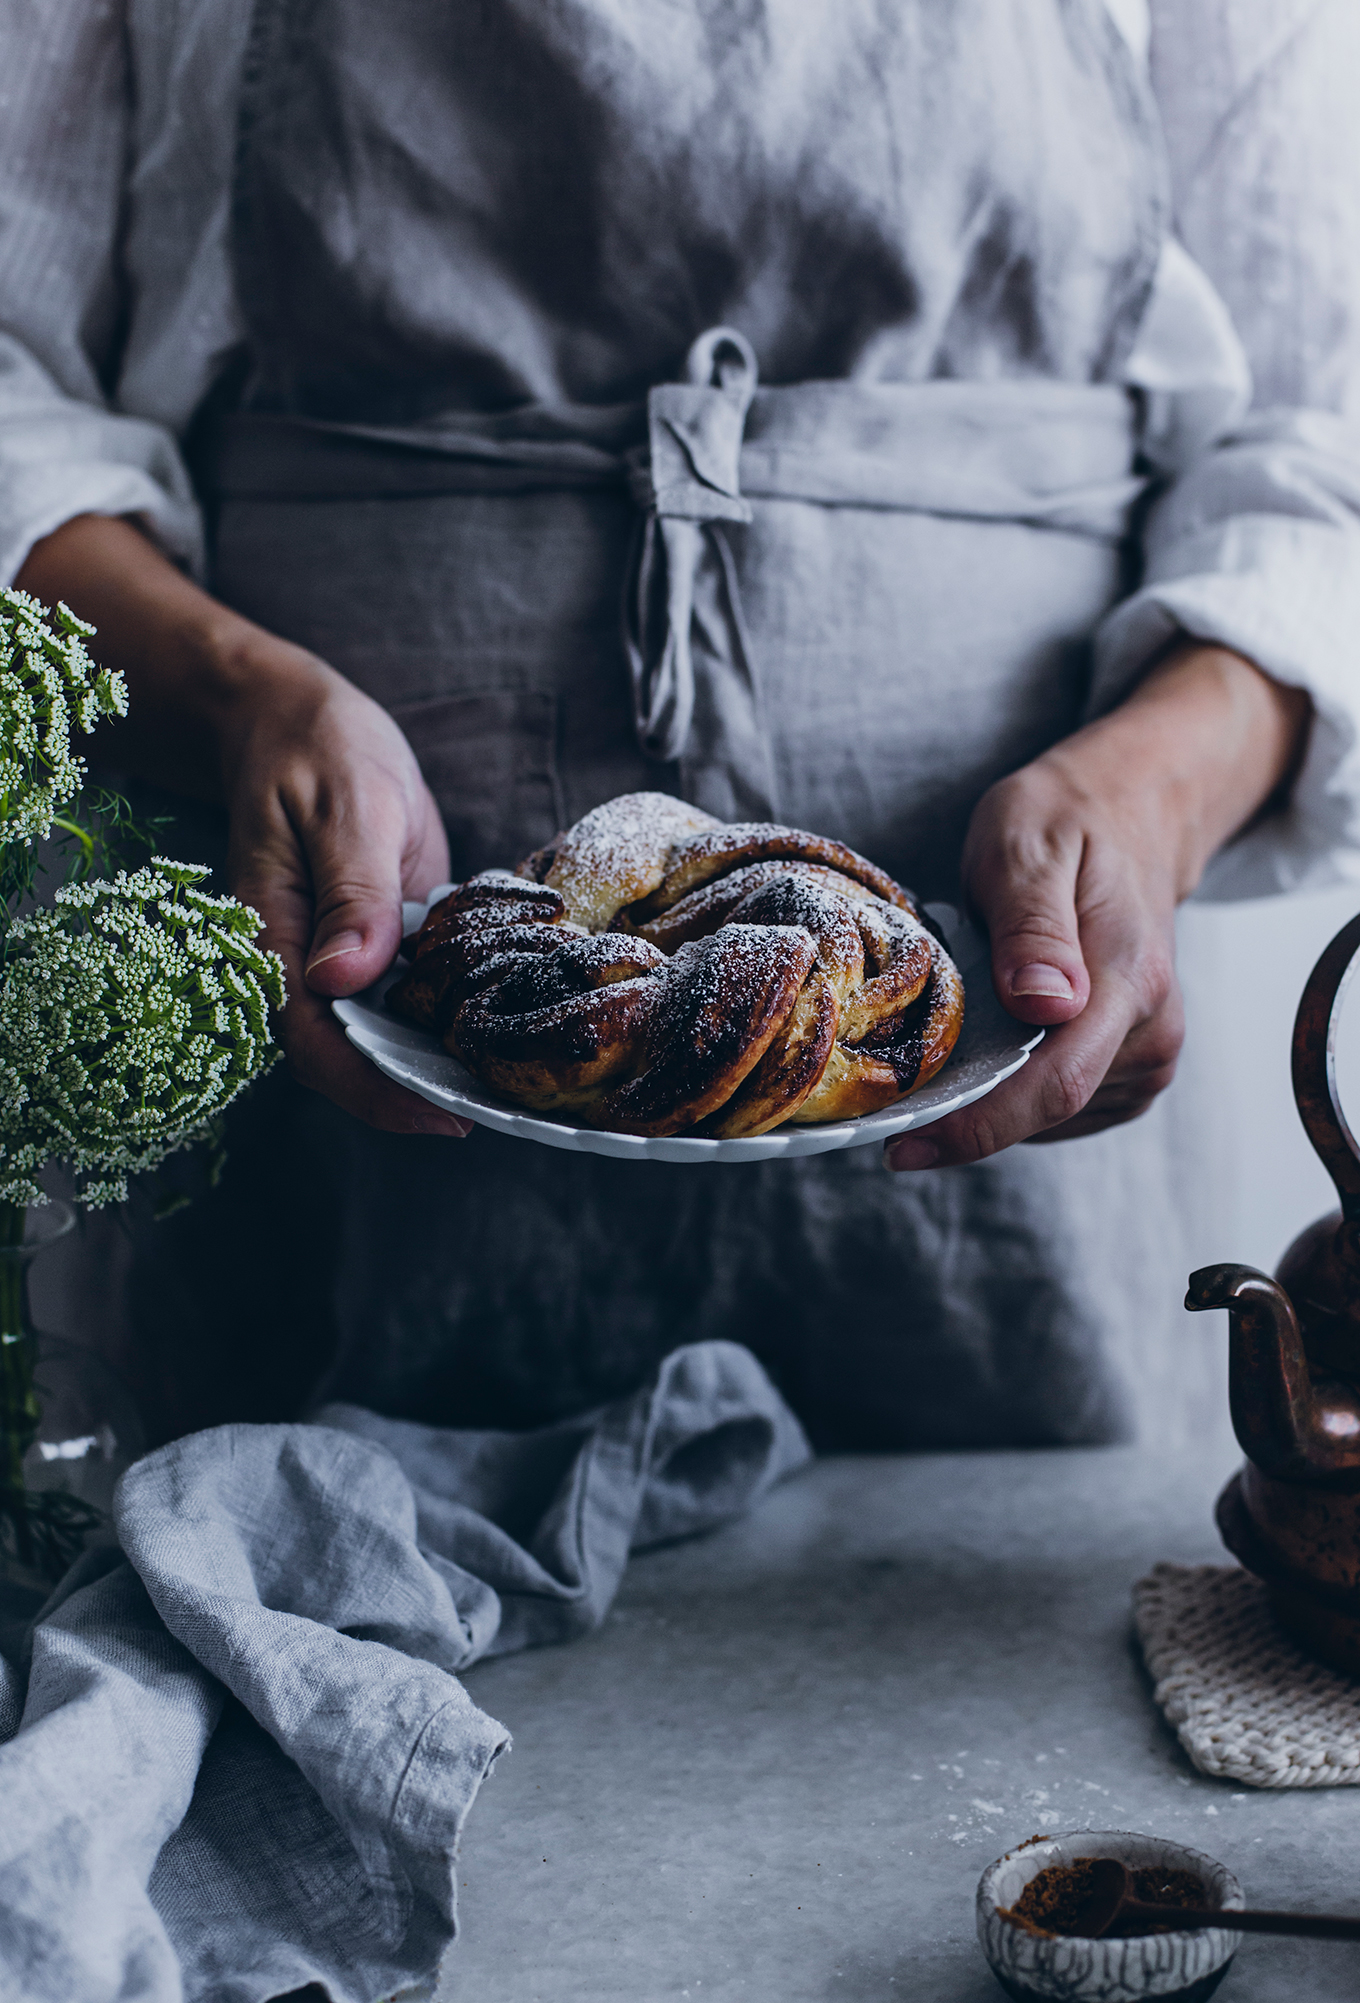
{"points": [[1076, 864]]}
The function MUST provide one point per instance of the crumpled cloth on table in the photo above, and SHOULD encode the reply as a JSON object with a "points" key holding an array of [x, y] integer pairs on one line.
{"points": [[234, 1756]]}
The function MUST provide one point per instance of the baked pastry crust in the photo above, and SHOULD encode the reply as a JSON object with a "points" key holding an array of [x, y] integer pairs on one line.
{"points": [[655, 971]]}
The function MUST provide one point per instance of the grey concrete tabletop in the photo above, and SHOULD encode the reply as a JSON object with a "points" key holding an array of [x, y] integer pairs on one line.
{"points": [[777, 1771]]}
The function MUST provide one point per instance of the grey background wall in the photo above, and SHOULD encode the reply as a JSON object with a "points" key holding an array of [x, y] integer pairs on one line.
{"points": [[1262, 953]]}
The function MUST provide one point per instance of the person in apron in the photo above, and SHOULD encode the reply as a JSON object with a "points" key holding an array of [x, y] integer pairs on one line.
{"points": [[500, 267]]}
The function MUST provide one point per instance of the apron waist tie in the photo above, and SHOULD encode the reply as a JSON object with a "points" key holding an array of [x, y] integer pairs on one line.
{"points": [[1051, 455], [682, 592]]}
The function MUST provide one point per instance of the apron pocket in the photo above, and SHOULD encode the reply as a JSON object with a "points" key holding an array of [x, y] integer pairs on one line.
{"points": [[489, 758]]}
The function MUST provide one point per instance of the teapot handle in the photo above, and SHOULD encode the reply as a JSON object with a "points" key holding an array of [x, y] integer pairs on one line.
{"points": [[1314, 1067]]}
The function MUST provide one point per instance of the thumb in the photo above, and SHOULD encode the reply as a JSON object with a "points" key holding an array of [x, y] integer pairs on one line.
{"points": [[356, 925], [1030, 911]]}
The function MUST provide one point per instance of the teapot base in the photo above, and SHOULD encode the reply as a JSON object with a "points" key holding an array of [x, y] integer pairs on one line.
{"points": [[1304, 1545], [1321, 1631]]}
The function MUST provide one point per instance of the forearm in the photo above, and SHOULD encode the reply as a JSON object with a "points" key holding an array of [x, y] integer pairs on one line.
{"points": [[194, 668], [1200, 747]]}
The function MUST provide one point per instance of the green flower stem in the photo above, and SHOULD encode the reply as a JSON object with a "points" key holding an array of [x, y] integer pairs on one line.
{"points": [[82, 836], [19, 1411]]}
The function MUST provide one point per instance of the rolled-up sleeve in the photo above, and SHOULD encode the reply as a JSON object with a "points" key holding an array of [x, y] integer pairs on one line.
{"points": [[1255, 544], [65, 448]]}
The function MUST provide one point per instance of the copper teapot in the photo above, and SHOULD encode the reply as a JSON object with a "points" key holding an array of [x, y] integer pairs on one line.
{"points": [[1292, 1514]]}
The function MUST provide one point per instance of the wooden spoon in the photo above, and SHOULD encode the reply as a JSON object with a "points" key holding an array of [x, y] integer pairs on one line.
{"points": [[1112, 1898]]}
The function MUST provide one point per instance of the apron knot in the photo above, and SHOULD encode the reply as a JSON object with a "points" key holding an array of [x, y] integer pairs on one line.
{"points": [[682, 599], [694, 432]]}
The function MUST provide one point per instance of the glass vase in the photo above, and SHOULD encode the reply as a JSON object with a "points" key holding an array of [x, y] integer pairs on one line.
{"points": [[68, 1426]]}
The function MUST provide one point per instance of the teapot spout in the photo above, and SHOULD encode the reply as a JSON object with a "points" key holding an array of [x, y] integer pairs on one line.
{"points": [[1292, 1428]]}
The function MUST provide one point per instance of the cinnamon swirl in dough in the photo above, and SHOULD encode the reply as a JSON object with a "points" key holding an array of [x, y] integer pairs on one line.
{"points": [[654, 971]]}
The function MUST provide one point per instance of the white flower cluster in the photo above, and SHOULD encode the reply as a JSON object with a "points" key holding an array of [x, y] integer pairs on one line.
{"points": [[48, 684], [130, 1014]]}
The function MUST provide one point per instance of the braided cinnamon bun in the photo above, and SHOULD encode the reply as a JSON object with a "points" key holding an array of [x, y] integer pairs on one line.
{"points": [[654, 971]]}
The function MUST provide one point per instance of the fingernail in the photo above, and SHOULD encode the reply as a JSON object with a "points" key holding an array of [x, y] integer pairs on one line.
{"points": [[443, 1124], [913, 1152], [343, 942], [1042, 980]]}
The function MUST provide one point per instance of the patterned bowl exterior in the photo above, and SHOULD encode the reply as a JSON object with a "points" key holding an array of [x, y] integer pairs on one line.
{"points": [[1188, 1965]]}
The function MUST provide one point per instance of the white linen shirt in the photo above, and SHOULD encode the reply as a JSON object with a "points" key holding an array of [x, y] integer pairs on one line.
{"points": [[117, 316]]}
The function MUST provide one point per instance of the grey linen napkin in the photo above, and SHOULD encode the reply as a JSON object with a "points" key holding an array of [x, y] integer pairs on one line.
{"points": [[235, 1758]]}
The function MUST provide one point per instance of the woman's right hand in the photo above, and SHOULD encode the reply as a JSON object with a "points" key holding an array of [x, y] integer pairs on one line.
{"points": [[331, 822]]}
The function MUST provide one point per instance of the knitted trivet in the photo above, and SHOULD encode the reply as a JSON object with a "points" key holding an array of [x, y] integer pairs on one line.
{"points": [[1247, 1704]]}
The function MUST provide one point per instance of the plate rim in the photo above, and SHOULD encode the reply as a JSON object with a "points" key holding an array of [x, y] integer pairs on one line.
{"points": [[357, 1012]]}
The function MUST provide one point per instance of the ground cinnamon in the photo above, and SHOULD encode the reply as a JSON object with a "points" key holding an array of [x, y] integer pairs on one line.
{"points": [[1049, 1903]]}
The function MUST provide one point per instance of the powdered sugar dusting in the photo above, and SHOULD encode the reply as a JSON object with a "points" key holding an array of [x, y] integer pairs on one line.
{"points": [[619, 853], [651, 1035]]}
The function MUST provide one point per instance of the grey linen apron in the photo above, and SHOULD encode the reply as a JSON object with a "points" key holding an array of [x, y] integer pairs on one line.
{"points": [[722, 399]]}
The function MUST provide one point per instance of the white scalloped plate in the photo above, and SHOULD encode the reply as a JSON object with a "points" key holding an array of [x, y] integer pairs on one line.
{"points": [[992, 1046]]}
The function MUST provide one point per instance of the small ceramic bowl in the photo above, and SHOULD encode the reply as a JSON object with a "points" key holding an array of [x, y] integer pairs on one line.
{"points": [[1188, 1966]]}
